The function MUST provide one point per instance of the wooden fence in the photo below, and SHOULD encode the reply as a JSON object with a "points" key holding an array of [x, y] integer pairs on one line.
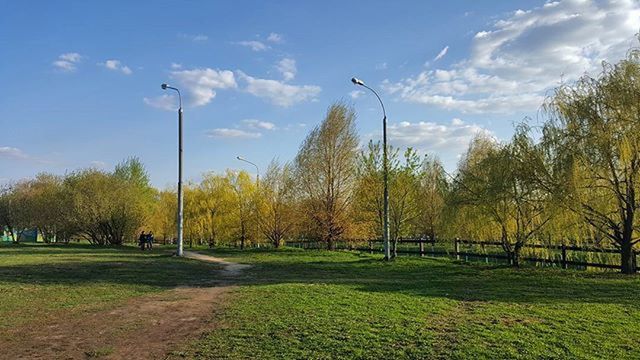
{"points": [[563, 255]]}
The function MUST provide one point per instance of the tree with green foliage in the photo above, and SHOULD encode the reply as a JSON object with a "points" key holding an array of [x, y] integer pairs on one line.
{"points": [[325, 172], [593, 146], [501, 181], [431, 194], [277, 203]]}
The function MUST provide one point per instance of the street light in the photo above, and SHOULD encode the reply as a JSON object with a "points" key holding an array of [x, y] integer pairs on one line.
{"points": [[257, 169], [385, 172], [180, 197], [258, 188]]}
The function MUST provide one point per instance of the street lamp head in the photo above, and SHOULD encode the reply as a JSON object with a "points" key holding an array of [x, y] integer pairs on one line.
{"points": [[164, 86], [357, 81], [240, 158]]}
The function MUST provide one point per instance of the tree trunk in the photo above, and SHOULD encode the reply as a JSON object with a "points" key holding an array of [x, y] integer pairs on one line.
{"points": [[627, 260]]}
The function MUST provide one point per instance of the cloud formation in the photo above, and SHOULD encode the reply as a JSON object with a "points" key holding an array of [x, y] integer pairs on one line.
{"points": [[521, 56], [259, 124], [432, 137], [116, 65], [67, 62], [275, 38], [254, 45], [287, 67], [226, 133], [442, 53], [201, 84], [277, 92], [163, 102], [12, 153]]}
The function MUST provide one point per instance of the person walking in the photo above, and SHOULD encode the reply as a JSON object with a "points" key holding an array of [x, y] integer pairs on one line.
{"points": [[142, 239], [150, 240]]}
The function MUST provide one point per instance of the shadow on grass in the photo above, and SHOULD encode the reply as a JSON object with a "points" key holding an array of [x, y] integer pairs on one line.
{"points": [[429, 277], [438, 277], [79, 264]]}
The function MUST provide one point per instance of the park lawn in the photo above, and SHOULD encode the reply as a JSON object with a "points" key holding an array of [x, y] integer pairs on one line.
{"points": [[296, 304], [39, 281]]}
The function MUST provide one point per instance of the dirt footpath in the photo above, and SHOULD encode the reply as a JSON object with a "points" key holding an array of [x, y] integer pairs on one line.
{"points": [[147, 327]]}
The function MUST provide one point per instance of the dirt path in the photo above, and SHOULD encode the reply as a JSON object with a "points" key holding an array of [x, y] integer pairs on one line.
{"points": [[147, 327], [231, 269]]}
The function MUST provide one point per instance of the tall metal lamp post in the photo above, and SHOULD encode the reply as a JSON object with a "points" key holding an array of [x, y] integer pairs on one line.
{"points": [[385, 172], [180, 194], [257, 186], [257, 169]]}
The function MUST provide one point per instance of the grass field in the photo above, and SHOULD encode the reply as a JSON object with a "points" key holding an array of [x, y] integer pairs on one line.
{"points": [[325, 305], [39, 281], [294, 304]]}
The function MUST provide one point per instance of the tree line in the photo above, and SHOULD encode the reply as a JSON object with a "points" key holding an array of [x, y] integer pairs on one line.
{"points": [[572, 176]]}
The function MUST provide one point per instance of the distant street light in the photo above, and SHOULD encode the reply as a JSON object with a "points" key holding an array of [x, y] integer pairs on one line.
{"points": [[385, 172], [257, 169], [257, 194], [180, 197]]}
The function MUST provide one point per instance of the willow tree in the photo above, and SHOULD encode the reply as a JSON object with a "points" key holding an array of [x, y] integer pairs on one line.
{"points": [[592, 139], [502, 183], [244, 211], [431, 196], [325, 170], [277, 203]]}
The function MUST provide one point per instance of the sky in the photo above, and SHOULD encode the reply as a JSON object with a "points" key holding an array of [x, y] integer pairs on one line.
{"points": [[81, 79]]}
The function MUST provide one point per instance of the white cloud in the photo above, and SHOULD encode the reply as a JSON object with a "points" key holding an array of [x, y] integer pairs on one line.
{"points": [[521, 56], [232, 134], [356, 94], [287, 67], [258, 124], [67, 62], [200, 37], [277, 92], [176, 66], [98, 164], [164, 102], [116, 65], [201, 84], [275, 38], [12, 153], [382, 66], [433, 137], [254, 45], [195, 37], [442, 53]]}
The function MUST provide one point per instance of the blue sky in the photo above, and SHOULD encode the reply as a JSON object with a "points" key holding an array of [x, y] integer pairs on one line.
{"points": [[81, 80]]}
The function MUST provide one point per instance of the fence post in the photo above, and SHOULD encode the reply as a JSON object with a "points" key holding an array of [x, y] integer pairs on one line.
{"points": [[564, 257], [422, 246], [635, 260], [457, 248], [370, 247]]}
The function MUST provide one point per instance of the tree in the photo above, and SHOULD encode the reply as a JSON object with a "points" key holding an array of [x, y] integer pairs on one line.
{"points": [[593, 146], [47, 206], [277, 203], [431, 196], [107, 208], [325, 171], [502, 182], [8, 215], [163, 218], [244, 205]]}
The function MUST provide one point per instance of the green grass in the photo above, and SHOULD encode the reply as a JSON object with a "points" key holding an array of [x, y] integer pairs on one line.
{"points": [[295, 304], [326, 305], [36, 281]]}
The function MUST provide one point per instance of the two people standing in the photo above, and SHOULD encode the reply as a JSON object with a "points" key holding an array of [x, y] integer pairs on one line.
{"points": [[145, 241]]}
